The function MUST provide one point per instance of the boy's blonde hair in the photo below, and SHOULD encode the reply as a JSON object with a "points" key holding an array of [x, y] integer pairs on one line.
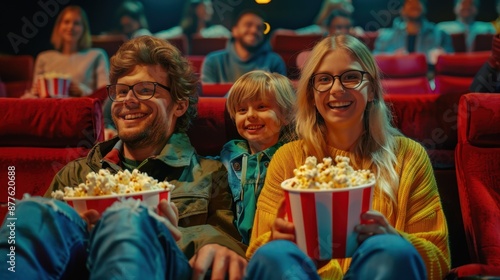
{"points": [[376, 147], [262, 85]]}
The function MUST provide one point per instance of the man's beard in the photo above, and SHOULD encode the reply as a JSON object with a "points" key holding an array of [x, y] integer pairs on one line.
{"points": [[252, 48], [136, 140], [150, 136]]}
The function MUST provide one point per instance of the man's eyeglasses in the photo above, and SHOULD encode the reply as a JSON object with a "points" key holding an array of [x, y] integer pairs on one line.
{"points": [[141, 90], [351, 79]]}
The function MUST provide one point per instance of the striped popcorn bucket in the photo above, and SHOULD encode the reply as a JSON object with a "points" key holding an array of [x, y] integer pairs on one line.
{"points": [[325, 219], [100, 203], [54, 87]]}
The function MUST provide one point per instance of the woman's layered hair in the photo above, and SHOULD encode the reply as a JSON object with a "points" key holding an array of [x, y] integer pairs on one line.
{"points": [[375, 150]]}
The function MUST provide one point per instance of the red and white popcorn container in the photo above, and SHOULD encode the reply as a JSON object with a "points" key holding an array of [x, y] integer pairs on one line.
{"points": [[101, 203], [324, 219], [56, 87]]}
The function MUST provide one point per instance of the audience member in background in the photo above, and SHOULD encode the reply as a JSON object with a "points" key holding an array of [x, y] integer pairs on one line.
{"points": [[197, 21], [412, 32], [154, 101], [487, 78], [341, 112], [321, 22], [72, 56], [496, 22], [340, 22], [260, 104], [466, 11], [133, 19], [246, 51]]}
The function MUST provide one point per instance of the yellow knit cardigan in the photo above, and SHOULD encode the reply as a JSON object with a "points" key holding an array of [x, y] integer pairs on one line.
{"points": [[418, 216]]}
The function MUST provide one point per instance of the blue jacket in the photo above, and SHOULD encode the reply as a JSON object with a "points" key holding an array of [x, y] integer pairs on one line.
{"points": [[246, 175], [225, 66], [430, 37]]}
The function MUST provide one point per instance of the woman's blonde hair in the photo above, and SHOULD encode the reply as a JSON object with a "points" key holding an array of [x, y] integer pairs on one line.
{"points": [[85, 41], [262, 85], [375, 150], [148, 50]]}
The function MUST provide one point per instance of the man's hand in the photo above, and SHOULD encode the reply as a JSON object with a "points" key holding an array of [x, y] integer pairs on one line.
{"points": [[169, 211], [282, 229], [90, 217], [74, 90], [221, 260]]}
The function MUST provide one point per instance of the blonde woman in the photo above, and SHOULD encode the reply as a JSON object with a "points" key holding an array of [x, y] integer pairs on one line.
{"points": [[73, 57], [341, 111]]}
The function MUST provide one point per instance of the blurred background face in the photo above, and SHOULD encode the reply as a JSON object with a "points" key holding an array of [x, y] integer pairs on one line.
{"points": [[71, 27], [129, 25], [466, 9], [258, 121], [249, 31], [205, 10], [412, 10], [339, 25]]}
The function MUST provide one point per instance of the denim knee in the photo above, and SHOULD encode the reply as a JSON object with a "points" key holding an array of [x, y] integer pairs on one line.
{"points": [[51, 241], [132, 227], [281, 259], [386, 256]]}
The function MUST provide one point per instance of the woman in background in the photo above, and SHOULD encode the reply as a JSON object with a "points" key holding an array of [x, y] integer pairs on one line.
{"points": [[73, 57]]}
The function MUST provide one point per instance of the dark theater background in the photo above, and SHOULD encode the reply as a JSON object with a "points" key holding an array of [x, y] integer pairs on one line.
{"points": [[17, 16]]}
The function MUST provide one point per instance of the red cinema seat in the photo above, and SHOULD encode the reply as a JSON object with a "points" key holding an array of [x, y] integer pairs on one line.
{"points": [[16, 74], [458, 42], [213, 127], [109, 43], [482, 42], [369, 39], [288, 45], [180, 42], [204, 46], [454, 72], [477, 158], [215, 90], [40, 136], [196, 62], [404, 73]]}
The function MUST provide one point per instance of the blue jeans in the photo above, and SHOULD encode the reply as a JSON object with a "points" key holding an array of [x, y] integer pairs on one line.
{"points": [[52, 242], [378, 257]]}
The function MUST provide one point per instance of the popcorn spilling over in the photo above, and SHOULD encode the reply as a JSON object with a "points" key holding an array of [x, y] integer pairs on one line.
{"points": [[52, 75], [326, 175], [105, 183]]}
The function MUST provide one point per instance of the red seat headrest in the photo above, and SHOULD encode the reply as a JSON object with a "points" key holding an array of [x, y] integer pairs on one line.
{"points": [[68, 122], [480, 118]]}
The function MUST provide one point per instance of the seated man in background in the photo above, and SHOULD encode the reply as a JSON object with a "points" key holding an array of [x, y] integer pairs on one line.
{"points": [[322, 19], [133, 19], [487, 78], [246, 51], [340, 22], [466, 11], [412, 32], [496, 22], [154, 100]]}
